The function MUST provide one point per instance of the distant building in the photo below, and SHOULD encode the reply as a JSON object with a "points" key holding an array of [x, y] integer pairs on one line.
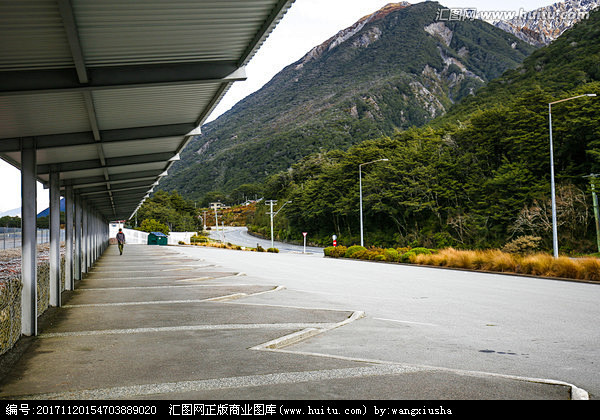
{"points": [[218, 206]]}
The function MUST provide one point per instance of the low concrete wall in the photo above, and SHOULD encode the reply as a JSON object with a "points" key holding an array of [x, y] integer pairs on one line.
{"points": [[10, 312], [176, 237], [10, 298]]}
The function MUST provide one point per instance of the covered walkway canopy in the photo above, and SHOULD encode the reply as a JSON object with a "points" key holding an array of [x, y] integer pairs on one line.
{"points": [[97, 99]]}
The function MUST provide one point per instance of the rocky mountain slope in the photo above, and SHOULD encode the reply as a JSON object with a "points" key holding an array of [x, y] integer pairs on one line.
{"points": [[396, 68], [542, 26]]}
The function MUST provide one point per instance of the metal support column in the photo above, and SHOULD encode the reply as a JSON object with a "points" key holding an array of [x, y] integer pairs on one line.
{"points": [[84, 237], [54, 227], [69, 282], [77, 231], [29, 236]]}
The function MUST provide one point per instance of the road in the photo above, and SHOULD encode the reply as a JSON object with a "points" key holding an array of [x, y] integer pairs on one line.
{"points": [[467, 321], [240, 236]]}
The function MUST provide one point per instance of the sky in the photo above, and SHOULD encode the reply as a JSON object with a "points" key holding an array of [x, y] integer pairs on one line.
{"points": [[307, 24]]}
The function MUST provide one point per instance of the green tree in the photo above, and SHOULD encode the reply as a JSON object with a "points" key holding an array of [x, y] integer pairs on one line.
{"points": [[151, 225]]}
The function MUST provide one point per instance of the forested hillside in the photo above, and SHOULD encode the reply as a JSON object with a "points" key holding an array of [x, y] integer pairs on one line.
{"points": [[478, 176], [392, 70]]}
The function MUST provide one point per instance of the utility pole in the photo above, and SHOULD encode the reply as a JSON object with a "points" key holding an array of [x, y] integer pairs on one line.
{"points": [[215, 205], [592, 178], [271, 203], [273, 214]]}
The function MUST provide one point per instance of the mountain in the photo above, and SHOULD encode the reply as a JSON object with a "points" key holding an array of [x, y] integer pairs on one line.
{"points": [[12, 213], [476, 177], [396, 68], [542, 26], [46, 211]]}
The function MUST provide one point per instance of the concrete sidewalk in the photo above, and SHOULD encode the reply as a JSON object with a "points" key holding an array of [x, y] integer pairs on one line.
{"points": [[154, 324]]}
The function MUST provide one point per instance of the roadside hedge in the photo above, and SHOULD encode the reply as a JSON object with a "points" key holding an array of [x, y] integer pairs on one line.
{"points": [[358, 252]]}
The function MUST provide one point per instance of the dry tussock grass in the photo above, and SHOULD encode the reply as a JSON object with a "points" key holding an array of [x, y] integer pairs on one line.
{"points": [[497, 261]]}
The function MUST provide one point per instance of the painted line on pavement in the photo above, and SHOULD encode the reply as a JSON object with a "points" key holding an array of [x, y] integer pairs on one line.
{"points": [[125, 331], [161, 277], [223, 383], [232, 296], [183, 286], [406, 322], [161, 302]]}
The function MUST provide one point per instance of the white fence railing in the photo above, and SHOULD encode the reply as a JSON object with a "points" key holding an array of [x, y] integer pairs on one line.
{"points": [[131, 236]]}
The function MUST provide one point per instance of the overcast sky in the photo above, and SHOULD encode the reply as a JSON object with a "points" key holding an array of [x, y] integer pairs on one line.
{"points": [[307, 24]]}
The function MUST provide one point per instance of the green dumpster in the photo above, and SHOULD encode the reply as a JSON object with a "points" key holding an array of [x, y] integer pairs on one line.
{"points": [[157, 238]]}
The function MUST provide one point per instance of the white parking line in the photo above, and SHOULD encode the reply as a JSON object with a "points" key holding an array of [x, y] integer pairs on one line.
{"points": [[208, 327], [225, 383], [406, 322]]}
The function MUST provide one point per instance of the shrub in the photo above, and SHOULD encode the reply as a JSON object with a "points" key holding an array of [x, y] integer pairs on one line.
{"points": [[523, 245], [198, 238], [335, 251], [408, 257], [418, 251], [259, 248], [359, 254], [353, 249], [274, 250], [391, 255]]}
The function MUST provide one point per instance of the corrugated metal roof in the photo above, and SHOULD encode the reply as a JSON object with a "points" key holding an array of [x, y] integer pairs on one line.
{"points": [[110, 89], [35, 115]]}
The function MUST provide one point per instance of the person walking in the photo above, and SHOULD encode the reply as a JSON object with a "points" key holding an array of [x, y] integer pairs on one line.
{"points": [[121, 241]]}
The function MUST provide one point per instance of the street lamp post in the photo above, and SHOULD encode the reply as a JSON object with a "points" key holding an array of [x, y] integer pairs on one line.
{"points": [[552, 186], [362, 242]]}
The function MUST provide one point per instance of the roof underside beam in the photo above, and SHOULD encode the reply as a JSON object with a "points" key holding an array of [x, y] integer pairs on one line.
{"points": [[106, 136], [95, 181], [133, 187], [29, 82], [110, 163]]}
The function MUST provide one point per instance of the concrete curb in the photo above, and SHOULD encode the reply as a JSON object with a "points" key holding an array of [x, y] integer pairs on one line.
{"points": [[298, 336]]}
